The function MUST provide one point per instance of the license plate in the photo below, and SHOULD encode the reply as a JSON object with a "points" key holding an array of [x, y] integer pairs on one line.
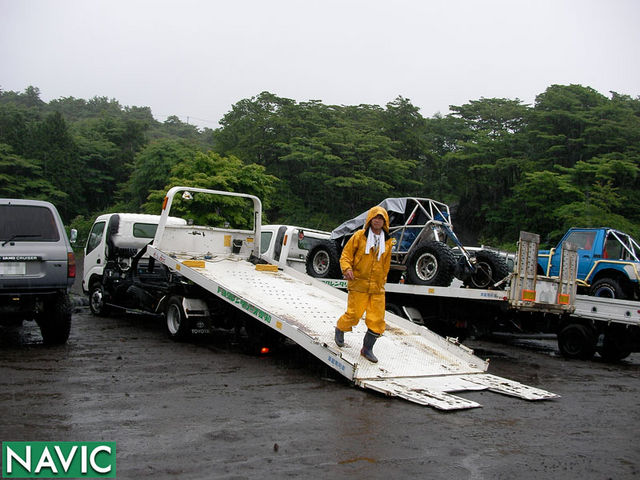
{"points": [[13, 268]]}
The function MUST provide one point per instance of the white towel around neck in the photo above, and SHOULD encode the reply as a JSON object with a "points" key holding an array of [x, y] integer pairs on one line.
{"points": [[372, 240]]}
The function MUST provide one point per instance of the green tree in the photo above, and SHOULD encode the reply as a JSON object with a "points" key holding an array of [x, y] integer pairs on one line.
{"points": [[487, 161], [55, 148], [22, 178], [151, 169], [558, 122], [212, 171]]}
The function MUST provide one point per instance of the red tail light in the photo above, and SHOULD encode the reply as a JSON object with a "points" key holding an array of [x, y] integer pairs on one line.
{"points": [[71, 265]]}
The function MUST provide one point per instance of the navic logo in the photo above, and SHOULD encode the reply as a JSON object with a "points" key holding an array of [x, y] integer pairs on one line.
{"points": [[58, 459]]}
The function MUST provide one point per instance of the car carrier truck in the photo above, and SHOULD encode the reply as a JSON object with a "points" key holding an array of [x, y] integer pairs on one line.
{"points": [[583, 324], [205, 274]]}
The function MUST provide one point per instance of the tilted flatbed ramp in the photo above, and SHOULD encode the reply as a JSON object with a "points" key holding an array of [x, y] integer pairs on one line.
{"points": [[414, 363]]}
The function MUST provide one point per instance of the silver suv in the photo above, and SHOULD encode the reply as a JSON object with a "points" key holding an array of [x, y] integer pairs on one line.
{"points": [[37, 268]]}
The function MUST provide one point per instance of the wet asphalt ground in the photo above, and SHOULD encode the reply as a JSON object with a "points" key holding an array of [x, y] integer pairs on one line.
{"points": [[206, 409]]}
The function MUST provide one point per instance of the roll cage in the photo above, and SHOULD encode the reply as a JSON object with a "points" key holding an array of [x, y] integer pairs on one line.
{"points": [[412, 221]]}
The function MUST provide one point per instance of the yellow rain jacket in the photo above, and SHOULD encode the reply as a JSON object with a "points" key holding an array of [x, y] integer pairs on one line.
{"points": [[370, 274]]}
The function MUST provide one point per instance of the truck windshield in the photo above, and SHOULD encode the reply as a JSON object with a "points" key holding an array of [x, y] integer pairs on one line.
{"points": [[27, 223]]}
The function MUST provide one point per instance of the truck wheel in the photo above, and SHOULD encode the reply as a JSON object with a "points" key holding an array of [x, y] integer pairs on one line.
{"points": [[615, 346], [431, 263], [55, 323], [577, 341], [324, 261], [97, 303], [176, 320], [608, 288]]}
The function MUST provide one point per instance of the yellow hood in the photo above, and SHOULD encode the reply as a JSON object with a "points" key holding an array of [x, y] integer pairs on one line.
{"points": [[375, 211]]}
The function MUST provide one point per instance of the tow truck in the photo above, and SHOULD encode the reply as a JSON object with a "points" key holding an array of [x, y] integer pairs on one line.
{"points": [[205, 274]]}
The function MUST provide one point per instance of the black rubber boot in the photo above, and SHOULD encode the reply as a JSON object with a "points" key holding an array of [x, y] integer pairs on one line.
{"points": [[367, 346], [339, 337]]}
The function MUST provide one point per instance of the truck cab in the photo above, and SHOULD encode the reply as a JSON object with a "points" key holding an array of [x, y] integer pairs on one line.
{"points": [[115, 238], [608, 262]]}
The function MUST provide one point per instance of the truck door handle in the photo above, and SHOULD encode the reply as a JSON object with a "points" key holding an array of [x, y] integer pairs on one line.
{"points": [[98, 261]]}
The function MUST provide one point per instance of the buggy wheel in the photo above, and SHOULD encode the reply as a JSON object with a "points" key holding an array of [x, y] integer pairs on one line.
{"points": [[490, 269], [176, 320], [431, 263], [324, 261], [577, 341]]}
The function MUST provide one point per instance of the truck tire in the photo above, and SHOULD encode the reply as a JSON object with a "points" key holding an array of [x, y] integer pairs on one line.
{"points": [[490, 269], [615, 345], [55, 323], [431, 263], [324, 261], [577, 341], [97, 303], [607, 288], [176, 319]]}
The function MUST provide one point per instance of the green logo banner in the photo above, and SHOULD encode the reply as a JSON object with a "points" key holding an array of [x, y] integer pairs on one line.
{"points": [[58, 459]]}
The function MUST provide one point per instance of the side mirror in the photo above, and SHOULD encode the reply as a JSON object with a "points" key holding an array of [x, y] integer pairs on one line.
{"points": [[74, 236]]}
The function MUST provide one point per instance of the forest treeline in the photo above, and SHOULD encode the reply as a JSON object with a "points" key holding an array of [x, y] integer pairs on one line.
{"points": [[570, 159]]}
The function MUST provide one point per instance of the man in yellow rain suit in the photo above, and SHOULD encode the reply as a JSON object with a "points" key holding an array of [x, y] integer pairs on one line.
{"points": [[365, 264]]}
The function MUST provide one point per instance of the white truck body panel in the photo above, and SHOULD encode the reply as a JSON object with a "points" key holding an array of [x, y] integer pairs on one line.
{"points": [[414, 363], [608, 310]]}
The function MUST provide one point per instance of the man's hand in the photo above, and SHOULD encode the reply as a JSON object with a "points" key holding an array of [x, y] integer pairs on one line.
{"points": [[348, 275]]}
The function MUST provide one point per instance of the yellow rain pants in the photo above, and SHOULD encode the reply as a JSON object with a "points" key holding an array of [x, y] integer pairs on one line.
{"points": [[357, 304]]}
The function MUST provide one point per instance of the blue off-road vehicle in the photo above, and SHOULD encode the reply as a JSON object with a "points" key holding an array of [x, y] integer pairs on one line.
{"points": [[608, 262]]}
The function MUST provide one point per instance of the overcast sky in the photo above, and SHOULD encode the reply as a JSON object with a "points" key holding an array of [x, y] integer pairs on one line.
{"points": [[196, 58]]}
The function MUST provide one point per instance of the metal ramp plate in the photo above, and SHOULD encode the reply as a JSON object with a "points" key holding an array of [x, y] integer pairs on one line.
{"points": [[433, 391], [414, 363]]}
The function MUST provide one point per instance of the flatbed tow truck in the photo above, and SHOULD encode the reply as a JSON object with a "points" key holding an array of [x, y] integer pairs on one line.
{"points": [[224, 265], [583, 324]]}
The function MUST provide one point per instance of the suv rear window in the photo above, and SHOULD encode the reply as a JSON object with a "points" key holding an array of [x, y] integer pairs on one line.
{"points": [[27, 223]]}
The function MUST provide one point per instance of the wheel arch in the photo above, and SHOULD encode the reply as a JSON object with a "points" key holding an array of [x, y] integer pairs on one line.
{"points": [[616, 274]]}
